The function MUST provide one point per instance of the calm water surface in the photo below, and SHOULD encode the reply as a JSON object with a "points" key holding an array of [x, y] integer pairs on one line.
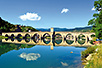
{"points": [[39, 56]]}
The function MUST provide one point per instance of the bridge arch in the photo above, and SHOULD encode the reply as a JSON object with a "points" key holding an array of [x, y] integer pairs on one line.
{"points": [[19, 36], [91, 40], [36, 38], [63, 36], [81, 39], [7, 37], [46, 38], [69, 38], [27, 35], [58, 38], [27, 40], [12, 37]]}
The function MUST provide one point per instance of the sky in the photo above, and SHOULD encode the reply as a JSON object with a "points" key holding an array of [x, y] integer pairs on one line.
{"points": [[48, 13]]}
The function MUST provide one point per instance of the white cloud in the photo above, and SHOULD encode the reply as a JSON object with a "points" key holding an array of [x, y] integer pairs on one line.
{"points": [[64, 64], [64, 10], [30, 16], [93, 9], [30, 56]]}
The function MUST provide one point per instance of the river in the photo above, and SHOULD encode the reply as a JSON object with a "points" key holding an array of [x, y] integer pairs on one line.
{"points": [[13, 55]]}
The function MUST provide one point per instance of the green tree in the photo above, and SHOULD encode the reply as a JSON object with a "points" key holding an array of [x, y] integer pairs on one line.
{"points": [[96, 22]]}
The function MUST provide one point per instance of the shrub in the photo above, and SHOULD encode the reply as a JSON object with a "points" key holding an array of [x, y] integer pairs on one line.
{"points": [[96, 62], [88, 51]]}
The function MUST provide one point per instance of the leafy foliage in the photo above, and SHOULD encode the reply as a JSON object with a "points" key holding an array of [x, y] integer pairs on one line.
{"points": [[96, 22], [96, 60], [88, 51], [8, 27]]}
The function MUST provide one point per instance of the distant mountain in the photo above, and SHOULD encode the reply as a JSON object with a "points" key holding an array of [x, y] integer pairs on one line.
{"points": [[78, 29]]}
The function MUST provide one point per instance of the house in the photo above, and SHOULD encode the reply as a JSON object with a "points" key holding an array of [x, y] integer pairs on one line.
{"points": [[98, 41]]}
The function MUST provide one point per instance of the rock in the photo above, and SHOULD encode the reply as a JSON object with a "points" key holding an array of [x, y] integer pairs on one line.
{"points": [[89, 57]]}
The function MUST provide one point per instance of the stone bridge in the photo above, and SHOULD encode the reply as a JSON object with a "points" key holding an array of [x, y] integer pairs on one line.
{"points": [[87, 37]]}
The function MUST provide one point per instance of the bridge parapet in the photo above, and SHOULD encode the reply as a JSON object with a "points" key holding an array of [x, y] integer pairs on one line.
{"points": [[63, 35]]}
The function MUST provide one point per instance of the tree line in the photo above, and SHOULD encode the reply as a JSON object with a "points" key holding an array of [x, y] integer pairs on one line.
{"points": [[96, 22], [5, 26]]}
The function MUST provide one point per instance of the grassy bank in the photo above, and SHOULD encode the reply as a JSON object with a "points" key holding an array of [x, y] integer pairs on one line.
{"points": [[95, 53]]}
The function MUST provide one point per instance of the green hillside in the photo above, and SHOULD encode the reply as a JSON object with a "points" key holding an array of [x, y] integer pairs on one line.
{"points": [[5, 26]]}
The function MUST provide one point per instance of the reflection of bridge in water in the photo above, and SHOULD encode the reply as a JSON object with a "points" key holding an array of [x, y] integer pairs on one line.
{"points": [[51, 36]]}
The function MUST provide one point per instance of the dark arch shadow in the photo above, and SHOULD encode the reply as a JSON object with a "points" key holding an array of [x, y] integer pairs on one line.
{"points": [[27, 36], [12, 37], [19, 37], [81, 39], [69, 39], [7, 37], [58, 38], [92, 36], [27, 40], [46, 38], [36, 38]]}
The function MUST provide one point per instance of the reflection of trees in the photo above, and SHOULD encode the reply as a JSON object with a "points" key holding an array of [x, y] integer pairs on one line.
{"points": [[69, 41], [4, 47]]}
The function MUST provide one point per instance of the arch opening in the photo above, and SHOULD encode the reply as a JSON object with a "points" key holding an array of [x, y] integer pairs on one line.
{"points": [[81, 39], [12, 37], [19, 37], [92, 38], [36, 38], [27, 40], [46, 38], [6, 37], [58, 38], [27, 36], [69, 39]]}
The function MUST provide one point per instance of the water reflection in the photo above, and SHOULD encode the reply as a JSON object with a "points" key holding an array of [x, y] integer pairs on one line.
{"points": [[27, 40], [6, 47], [19, 39], [6, 39], [39, 56], [12, 39], [30, 56], [64, 63]]}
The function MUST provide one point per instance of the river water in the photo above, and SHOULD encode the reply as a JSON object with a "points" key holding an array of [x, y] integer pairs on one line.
{"points": [[39, 56]]}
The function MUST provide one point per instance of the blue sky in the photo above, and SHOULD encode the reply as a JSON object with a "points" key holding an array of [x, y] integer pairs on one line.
{"points": [[47, 13]]}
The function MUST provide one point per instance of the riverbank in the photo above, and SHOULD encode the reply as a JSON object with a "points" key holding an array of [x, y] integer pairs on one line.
{"points": [[92, 57]]}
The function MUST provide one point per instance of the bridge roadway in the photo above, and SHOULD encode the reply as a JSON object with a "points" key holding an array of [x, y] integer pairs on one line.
{"points": [[41, 34]]}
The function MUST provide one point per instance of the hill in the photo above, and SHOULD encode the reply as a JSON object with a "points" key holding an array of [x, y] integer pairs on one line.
{"points": [[5, 26], [79, 29]]}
